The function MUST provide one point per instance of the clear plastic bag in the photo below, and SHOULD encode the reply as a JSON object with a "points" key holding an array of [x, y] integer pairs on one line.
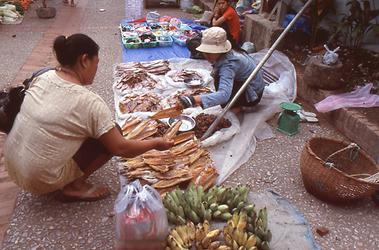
{"points": [[141, 219], [152, 17], [330, 57]]}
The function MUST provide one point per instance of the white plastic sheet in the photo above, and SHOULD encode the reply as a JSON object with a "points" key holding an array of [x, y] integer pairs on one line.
{"points": [[289, 228], [229, 148]]}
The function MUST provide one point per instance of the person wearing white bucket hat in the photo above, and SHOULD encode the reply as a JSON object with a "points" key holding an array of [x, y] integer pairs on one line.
{"points": [[231, 68]]}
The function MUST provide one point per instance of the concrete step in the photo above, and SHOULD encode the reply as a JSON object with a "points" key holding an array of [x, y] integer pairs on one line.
{"points": [[354, 124]]}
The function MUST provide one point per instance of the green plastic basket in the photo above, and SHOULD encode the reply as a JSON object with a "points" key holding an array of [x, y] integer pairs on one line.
{"points": [[132, 45]]}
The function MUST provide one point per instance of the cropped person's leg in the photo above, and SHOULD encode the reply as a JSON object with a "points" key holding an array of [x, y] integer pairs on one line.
{"points": [[91, 156]]}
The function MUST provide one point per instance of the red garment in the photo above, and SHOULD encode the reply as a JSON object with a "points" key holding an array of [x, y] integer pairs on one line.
{"points": [[233, 22]]}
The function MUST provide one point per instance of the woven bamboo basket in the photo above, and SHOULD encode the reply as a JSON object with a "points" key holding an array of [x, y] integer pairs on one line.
{"points": [[335, 183]]}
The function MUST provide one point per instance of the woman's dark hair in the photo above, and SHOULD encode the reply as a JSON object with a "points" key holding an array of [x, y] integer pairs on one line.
{"points": [[68, 49]]}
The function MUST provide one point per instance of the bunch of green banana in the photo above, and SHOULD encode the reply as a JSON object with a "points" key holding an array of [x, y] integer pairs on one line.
{"points": [[257, 224], [181, 237], [225, 201], [230, 196], [187, 205]]}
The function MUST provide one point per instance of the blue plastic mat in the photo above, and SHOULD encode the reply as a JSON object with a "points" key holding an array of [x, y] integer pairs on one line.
{"points": [[150, 54]]}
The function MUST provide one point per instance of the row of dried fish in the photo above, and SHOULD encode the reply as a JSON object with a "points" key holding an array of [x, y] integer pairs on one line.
{"points": [[147, 102], [186, 76], [158, 67], [135, 79], [164, 170]]}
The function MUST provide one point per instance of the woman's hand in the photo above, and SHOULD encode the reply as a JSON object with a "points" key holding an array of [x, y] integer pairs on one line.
{"points": [[163, 144], [216, 13], [186, 101]]}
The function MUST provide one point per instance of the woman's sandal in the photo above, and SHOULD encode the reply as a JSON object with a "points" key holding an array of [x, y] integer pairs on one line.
{"points": [[86, 196]]}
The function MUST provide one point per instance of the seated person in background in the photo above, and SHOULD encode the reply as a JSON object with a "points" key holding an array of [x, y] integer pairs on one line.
{"points": [[64, 132], [227, 18], [232, 68]]}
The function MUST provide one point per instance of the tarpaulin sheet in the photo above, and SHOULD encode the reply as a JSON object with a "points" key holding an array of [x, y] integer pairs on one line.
{"points": [[151, 54]]}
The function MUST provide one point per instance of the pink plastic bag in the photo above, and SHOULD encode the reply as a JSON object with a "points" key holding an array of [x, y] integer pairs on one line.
{"points": [[359, 98]]}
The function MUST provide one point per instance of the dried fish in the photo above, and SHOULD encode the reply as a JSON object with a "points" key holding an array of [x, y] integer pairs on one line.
{"points": [[166, 169], [196, 155], [147, 102], [181, 148], [133, 79], [157, 161], [206, 178], [183, 137], [187, 76], [160, 168], [171, 132], [175, 173], [157, 154], [166, 113], [130, 124], [172, 182], [138, 129]]}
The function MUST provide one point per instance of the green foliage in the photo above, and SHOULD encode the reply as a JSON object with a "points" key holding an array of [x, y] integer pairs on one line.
{"points": [[18, 5], [355, 25]]}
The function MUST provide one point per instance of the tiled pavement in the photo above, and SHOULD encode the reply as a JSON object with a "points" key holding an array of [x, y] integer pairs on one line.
{"points": [[36, 222], [67, 21]]}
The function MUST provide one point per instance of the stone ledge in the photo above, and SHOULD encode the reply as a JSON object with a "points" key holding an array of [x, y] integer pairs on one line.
{"points": [[205, 4], [351, 123], [260, 31]]}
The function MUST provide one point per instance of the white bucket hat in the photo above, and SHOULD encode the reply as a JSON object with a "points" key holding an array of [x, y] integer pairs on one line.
{"points": [[214, 41]]}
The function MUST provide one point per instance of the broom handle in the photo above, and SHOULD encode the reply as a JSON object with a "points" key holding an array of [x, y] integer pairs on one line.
{"points": [[254, 73]]}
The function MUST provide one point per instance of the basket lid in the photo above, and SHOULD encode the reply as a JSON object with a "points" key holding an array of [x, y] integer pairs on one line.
{"points": [[290, 106]]}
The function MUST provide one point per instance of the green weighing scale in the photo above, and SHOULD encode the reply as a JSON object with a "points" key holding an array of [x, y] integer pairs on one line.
{"points": [[289, 120]]}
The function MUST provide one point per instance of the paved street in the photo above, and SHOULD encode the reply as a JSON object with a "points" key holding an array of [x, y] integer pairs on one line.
{"points": [[41, 222]]}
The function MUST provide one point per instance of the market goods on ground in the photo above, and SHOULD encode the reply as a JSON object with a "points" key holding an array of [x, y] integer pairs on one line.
{"points": [[147, 102], [186, 161], [204, 121], [193, 210]]}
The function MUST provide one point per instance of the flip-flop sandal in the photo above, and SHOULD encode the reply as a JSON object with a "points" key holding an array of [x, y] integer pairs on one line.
{"points": [[87, 196], [305, 118], [305, 113]]}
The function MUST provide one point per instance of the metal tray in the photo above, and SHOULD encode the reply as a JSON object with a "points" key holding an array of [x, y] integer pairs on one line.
{"points": [[188, 123]]}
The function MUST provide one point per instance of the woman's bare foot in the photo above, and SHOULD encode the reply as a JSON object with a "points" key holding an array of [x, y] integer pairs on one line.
{"points": [[72, 4], [84, 191]]}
